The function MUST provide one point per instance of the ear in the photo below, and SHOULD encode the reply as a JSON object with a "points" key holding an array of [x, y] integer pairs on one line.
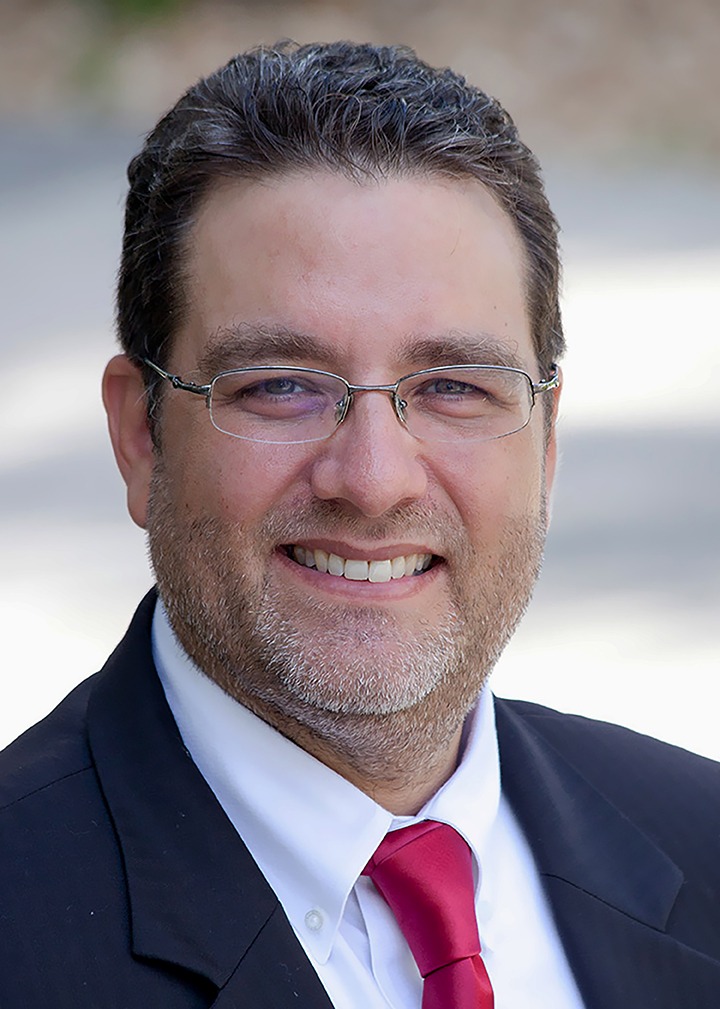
{"points": [[123, 394], [551, 450]]}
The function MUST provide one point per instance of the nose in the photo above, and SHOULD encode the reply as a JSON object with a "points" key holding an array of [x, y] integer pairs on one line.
{"points": [[371, 462]]}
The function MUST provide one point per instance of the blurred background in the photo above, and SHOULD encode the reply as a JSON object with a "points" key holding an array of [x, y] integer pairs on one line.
{"points": [[620, 101]]}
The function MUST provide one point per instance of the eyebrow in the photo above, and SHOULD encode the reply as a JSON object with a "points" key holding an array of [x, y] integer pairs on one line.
{"points": [[245, 344], [459, 347]]}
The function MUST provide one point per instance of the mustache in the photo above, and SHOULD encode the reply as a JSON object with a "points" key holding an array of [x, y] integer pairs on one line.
{"points": [[300, 520]]}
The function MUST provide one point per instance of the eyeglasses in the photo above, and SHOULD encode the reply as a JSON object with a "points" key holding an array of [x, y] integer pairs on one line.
{"points": [[290, 406]]}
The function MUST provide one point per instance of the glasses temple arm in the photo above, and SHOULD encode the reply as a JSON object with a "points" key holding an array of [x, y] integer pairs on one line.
{"points": [[552, 382], [176, 381]]}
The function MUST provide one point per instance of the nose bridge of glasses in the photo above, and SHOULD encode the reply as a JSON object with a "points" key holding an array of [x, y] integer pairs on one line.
{"points": [[391, 389]]}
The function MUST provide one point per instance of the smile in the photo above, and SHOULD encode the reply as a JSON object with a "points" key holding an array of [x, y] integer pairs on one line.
{"points": [[360, 570]]}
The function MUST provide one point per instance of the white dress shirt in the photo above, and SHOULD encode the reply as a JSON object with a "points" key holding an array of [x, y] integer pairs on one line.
{"points": [[312, 832]]}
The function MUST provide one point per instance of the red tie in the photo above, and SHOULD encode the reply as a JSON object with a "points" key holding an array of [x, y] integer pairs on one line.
{"points": [[424, 872]]}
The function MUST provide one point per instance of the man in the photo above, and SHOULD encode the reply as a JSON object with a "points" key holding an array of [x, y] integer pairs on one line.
{"points": [[334, 414]]}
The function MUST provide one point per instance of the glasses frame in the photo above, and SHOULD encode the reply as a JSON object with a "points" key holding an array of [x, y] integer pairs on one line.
{"points": [[343, 408]]}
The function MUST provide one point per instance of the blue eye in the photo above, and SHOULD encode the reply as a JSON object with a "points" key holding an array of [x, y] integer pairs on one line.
{"points": [[283, 396], [279, 386], [453, 387]]}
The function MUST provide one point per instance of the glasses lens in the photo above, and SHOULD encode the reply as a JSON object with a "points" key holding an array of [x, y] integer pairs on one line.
{"points": [[477, 403], [276, 405]]}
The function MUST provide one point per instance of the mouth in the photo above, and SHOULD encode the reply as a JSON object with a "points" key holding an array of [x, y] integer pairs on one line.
{"points": [[359, 570]]}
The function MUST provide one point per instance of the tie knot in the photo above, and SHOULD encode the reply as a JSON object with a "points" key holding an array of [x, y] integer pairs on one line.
{"points": [[424, 872]]}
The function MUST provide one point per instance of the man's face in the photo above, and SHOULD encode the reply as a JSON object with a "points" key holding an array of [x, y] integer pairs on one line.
{"points": [[371, 282]]}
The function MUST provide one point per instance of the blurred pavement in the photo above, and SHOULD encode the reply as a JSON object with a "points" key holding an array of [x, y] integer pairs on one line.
{"points": [[625, 623]]}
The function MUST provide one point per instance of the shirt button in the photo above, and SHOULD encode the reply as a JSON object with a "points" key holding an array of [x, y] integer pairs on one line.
{"points": [[314, 920]]}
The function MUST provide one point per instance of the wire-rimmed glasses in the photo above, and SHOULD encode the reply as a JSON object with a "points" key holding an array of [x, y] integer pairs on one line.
{"points": [[291, 406]]}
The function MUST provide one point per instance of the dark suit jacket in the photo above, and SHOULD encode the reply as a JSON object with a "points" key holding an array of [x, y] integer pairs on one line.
{"points": [[124, 886]]}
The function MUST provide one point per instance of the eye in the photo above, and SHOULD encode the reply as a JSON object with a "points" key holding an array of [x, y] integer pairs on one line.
{"points": [[453, 387], [453, 391], [465, 393], [247, 387], [280, 395], [278, 386]]}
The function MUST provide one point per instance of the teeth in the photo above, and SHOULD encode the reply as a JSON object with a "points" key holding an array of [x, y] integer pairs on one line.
{"points": [[336, 565], [380, 571], [362, 571], [357, 571]]}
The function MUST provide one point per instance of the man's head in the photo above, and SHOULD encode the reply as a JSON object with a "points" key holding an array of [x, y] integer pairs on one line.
{"points": [[366, 112], [266, 548]]}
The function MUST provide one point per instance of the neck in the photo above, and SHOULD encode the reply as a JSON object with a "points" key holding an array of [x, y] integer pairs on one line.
{"points": [[399, 760], [407, 797]]}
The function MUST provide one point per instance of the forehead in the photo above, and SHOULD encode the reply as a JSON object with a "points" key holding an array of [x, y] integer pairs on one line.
{"points": [[366, 276]]}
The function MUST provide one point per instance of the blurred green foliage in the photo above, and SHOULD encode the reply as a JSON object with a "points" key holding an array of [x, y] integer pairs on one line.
{"points": [[139, 10]]}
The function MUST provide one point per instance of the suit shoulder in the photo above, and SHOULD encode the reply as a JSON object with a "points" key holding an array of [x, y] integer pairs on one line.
{"points": [[50, 751], [605, 752]]}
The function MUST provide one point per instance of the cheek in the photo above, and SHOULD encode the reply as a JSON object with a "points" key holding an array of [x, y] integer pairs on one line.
{"points": [[238, 481], [494, 483]]}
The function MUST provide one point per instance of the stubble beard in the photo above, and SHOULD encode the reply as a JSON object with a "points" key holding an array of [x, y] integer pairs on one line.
{"points": [[356, 686]]}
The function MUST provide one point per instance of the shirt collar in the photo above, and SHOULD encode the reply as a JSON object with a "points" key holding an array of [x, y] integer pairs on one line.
{"points": [[469, 799], [310, 830]]}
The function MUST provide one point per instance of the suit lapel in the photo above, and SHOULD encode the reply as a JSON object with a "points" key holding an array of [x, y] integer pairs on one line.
{"points": [[197, 899], [273, 973], [611, 889]]}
